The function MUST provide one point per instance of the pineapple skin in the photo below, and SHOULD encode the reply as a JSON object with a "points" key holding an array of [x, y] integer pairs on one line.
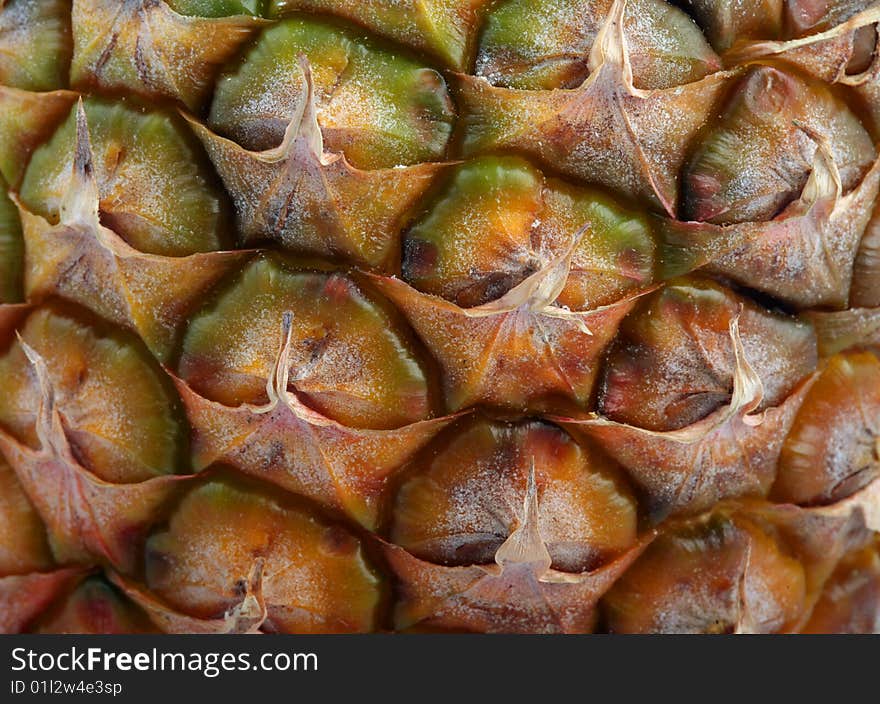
{"points": [[528, 316]]}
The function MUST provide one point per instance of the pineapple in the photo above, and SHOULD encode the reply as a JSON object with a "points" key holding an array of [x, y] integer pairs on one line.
{"points": [[526, 316]]}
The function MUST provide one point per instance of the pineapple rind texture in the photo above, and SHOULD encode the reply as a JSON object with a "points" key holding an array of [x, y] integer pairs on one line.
{"points": [[531, 316], [182, 212]]}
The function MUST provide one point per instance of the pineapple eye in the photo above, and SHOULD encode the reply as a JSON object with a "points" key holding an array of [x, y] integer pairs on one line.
{"points": [[307, 587], [673, 363], [463, 501], [181, 212], [546, 44], [347, 359], [380, 110], [121, 413], [607, 129], [719, 574], [757, 159], [499, 220], [833, 448]]}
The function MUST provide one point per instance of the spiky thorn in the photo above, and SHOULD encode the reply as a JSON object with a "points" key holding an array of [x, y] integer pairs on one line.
{"points": [[538, 293], [277, 383], [249, 615], [524, 545], [80, 203]]}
